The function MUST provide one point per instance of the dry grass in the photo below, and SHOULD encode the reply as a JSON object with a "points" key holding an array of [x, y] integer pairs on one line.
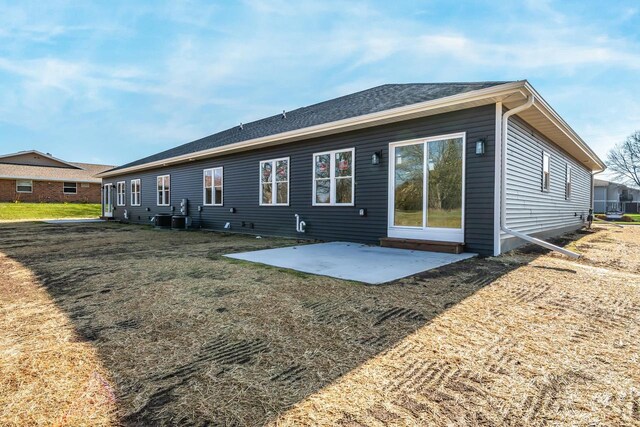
{"points": [[554, 342], [187, 337], [47, 377]]}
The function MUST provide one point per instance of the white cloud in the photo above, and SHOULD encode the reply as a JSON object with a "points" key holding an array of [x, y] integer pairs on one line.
{"points": [[208, 72]]}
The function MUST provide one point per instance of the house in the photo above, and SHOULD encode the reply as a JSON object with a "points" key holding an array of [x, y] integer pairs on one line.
{"points": [[395, 164], [32, 176], [610, 196]]}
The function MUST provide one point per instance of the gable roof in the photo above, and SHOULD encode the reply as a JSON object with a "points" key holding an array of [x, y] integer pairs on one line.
{"points": [[16, 157], [66, 171], [373, 107], [379, 98], [604, 182]]}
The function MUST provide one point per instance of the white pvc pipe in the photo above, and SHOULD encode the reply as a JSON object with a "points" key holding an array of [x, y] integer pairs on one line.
{"points": [[503, 191], [542, 243], [300, 225]]}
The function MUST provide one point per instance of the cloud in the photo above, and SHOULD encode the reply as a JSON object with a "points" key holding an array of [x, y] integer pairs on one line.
{"points": [[165, 74]]}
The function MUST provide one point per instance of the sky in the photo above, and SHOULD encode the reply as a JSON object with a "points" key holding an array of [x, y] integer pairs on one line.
{"points": [[113, 81]]}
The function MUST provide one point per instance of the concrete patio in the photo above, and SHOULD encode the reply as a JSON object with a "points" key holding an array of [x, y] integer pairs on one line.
{"points": [[352, 261]]}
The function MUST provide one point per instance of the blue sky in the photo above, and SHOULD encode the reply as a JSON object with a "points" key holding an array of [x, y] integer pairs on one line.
{"points": [[113, 81]]}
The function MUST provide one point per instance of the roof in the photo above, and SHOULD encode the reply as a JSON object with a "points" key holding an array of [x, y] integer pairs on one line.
{"points": [[602, 182], [81, 172], [373, 107], [379, 98], [6, 158]]}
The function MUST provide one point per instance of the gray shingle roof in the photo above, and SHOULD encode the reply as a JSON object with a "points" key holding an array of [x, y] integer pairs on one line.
{"points": [[379, 98]]}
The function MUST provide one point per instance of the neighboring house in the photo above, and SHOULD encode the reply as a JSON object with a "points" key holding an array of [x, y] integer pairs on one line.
{"points": [[610, 196], [398, 161], [32, 176]]}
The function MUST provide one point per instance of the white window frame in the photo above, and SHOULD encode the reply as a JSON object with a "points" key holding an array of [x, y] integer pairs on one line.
{"points": [[214, 202], [546, 156], [332, 177], [121, 196], [425, 233], [65, 186], [164, 188], [18, 181], [135, 196], [568, 182], [274, 182]]}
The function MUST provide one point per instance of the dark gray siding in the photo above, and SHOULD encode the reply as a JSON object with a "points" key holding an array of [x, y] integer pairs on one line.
{"points": [[529, 209], [241, 178]]}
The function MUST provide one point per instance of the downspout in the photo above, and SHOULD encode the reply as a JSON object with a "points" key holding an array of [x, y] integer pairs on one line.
{"points": [[503, 191]]}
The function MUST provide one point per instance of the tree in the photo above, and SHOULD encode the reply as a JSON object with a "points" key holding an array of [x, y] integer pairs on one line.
{"points": [[624, 158]]}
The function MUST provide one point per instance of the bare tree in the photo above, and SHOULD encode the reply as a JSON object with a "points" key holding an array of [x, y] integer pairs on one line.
{"points": [[624, 158]]}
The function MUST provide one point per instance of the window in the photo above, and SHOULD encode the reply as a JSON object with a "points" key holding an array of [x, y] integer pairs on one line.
{"points": [[120, 193], [164, 190], [567, 184], [333, 178], [24, 186], [274, 182], [546, 174], [135, 192], [70, 187], [212, 186]]}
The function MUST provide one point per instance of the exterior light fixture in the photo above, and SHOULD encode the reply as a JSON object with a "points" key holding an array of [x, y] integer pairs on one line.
{"points": [[480, 147], [375, 157]]}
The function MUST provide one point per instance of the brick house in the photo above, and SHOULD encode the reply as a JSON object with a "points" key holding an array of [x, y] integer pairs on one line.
{"points": [[32, 176]]}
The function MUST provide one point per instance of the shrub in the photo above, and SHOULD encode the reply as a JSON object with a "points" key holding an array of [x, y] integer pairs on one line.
{"points": [[601, 216], [627, 218]]}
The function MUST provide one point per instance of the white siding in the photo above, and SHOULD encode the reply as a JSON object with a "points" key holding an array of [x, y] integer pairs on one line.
{"points": [[529, 209]]}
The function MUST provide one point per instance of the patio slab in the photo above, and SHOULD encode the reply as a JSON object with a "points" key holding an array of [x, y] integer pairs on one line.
{"points": [[352, 261], [72, 221]]}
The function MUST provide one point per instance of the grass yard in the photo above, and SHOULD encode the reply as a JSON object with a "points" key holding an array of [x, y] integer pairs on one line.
{"points": [[440, 218], [28, 211], [105, 324], [636, 217]]}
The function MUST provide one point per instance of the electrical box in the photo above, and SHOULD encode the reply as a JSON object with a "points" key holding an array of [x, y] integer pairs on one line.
{"points": [[183, 207]]}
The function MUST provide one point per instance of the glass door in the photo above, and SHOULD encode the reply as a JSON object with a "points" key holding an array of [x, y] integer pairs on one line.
{"points": [[107, 205], [426, 189]]}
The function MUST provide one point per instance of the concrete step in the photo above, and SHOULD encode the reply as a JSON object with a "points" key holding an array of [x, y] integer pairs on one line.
{"points": [[422, 245]]}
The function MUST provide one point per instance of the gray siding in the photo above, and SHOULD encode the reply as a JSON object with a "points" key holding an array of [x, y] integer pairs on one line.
{"points": [[241, 175], [529, 209], [600, 199]]}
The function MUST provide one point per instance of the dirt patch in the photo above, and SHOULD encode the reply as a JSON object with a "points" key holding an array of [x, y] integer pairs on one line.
{"points": [[188, 337], [551, 342]]}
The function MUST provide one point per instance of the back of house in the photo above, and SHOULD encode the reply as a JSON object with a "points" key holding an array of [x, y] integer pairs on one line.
{"points": [[611, 196], [434, 165], [35, 177]]}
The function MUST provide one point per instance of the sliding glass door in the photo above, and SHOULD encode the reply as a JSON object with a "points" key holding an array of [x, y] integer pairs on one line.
{"points": [[426, 189]]}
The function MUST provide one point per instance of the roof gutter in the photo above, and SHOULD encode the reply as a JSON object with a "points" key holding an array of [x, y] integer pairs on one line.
{"points": [[503, 191]]}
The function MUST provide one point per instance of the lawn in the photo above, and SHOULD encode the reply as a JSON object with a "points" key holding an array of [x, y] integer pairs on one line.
{"points": [[20, 211], [636, 217], [440, 218], [104, 324]]}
